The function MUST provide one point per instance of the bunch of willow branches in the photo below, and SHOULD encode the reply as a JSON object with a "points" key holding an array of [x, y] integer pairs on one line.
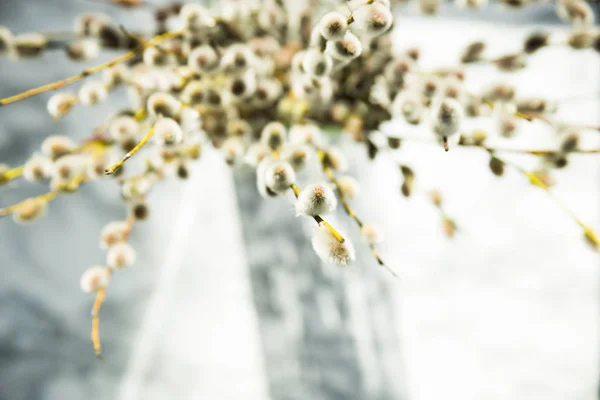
{"points": [[262, 83]]}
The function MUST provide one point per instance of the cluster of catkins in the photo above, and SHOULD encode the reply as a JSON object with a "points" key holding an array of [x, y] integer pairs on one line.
{"points": [[262, 84]]}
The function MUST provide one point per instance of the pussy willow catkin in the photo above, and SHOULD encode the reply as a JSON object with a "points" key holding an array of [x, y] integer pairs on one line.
{"points": [[262, 84]]}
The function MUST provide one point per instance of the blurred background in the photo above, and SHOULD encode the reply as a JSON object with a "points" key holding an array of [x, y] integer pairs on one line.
{"points": [[227, 299]]}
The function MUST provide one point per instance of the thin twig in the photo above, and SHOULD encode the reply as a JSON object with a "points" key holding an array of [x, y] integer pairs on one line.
{"points": [[331, 176], [111, 170], [93, 70], [534, 180]]}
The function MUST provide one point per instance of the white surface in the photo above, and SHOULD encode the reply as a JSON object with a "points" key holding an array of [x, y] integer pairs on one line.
{"points": [[509, 309], [200, 332]]}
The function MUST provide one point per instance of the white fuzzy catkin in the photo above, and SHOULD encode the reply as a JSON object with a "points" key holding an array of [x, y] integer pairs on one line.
{"points": [[70, 166], [446, 117], [273, 135], [194, 92], [305, 134], [471, 4], [133, 189], [90, 23], [337, 159], [330, 250], [261, 185], [408, 105], [92, 93], [316, 63], [315, 199], [296, 155], [255, 153], [167, 132], [30, 210], [83, 49], [233, 149], [60, 104], [349, 186], [37, 168], [97, 167], [112, 233], [196, 17], [575, 12], [154, 57], [123, 128], [297, 61], [28, 45], [241, 86], [373, 19], [120, 256], [94, 279], [370, 234], [56, 146], [163, 104], [333, 25], [237, 58], [279, 175], [203, 59], [6, 39], [345, 49], [116, 75]]}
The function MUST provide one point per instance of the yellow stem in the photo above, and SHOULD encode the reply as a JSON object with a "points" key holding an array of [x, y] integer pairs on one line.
{"points": [[95, 334], [534, 180], [46, 197], [69, 186], [295, 189], [93, 70], [11, 174], [17, 172], [115, 167]]}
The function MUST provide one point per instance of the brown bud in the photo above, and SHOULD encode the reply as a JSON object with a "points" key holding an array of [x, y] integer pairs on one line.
{"points": [[561, 161], [140, 211], [372, 150], [394, 143], [413, 53], [496, 166], [183, 171], [535, 41], [29, 45], [436, 198], [510, 62], [570, 143], [508, 127], [119, 172], [449, 227], [478, 138], [596, 43], [515, 3], [407, 172], [111, 36], [472, 53], [534, 106], [581, 40], [407, 188]]}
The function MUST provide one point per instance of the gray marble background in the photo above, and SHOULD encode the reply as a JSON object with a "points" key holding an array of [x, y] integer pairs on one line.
{"points": [[227, 299]]}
